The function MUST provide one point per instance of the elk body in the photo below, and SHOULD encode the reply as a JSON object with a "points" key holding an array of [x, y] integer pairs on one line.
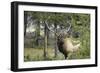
{"points": [[65, 45]]}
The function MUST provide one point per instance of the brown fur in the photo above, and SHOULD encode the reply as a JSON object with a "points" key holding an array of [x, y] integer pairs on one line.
{"points": [[65, 45]]}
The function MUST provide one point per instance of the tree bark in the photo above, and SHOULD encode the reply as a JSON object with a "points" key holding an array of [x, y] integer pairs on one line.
{"points": [[56, 41], [45, 42], [25, 23], [37, 33]]}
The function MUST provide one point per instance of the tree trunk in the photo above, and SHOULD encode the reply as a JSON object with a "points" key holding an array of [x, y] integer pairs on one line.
{"points": [[45, 42], [56, 41], [25, 23], [37, 33]]}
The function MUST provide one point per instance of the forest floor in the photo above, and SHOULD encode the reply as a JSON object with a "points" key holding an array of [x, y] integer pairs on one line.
{"points": [[31, 54]]}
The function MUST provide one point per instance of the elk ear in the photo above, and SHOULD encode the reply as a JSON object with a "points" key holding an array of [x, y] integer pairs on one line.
{"points": [[58, 37]]}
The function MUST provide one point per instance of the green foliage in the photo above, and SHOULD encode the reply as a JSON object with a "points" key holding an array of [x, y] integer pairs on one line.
{"points": [[84, 29]]}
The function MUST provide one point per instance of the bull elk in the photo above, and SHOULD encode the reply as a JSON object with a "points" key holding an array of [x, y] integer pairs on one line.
{"points": [[65, 42], [65, 45]]}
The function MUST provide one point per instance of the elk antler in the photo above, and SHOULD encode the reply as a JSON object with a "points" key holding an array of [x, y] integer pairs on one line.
{"points": [[67, 29], [50, 28], [64, 30]]}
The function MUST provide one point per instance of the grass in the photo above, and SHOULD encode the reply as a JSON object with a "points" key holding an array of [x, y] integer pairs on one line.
{"points": [[33, 54]]}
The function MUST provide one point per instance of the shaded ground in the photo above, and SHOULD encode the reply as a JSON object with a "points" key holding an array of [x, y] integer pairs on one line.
{"points": [[31, 54]]}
